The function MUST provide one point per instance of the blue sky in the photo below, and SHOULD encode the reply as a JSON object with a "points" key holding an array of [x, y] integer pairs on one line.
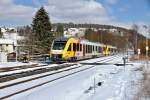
{"points": [[115, 12], [130, 10]]}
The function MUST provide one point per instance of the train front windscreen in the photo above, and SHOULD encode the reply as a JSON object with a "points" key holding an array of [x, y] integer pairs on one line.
{"points": [[59, 45]]}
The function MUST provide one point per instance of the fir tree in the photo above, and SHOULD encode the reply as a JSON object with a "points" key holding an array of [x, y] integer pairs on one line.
{"points": [[41, 27], [1, 34]]}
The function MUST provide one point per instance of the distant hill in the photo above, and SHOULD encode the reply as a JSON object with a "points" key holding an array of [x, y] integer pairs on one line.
{"points": [[97, 26]]}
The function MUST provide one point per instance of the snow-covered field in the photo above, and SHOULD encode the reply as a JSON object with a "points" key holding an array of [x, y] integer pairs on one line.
{"points": [[101, 82]]}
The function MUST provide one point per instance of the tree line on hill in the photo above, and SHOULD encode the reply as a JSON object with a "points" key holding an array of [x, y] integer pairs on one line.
{"points": [[131, 39]]}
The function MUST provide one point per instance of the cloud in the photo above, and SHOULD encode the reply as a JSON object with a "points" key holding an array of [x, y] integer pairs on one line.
{"points": [[9, 11], [78, 11]]}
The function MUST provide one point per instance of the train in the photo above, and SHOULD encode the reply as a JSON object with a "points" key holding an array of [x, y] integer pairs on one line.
{"points": [[73, 49]]}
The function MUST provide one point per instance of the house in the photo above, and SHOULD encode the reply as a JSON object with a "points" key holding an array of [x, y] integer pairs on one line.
{"points": [[6, 45]]}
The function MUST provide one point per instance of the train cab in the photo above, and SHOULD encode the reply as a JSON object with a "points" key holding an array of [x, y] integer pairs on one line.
{"points": [[64, 49], [57, 48]]}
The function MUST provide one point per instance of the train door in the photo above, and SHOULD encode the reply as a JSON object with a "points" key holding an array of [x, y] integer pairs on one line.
{"points": [[69, 51], [83, 50], [104, 50], [74, 49]]}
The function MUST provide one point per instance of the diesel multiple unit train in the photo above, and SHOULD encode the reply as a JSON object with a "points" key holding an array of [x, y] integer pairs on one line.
{"points": [[72, 49]]}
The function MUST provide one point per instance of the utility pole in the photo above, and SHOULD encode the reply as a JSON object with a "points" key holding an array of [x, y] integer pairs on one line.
{"points": [[136, 46], [94, 85], [16, 46], [101, 37], [147, 48], [135, 29], [127, 48]]}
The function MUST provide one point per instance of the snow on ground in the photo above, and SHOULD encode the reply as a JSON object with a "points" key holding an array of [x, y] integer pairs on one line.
{"points": [[13, 64], [114, 84], [114, 81]]}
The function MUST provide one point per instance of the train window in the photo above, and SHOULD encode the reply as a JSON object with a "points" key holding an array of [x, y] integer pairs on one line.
{"points": [[59, 45], [86, 48], [74, 46], [93, 47], [100, 49], [90, 48], [96, 48], [69, 49], [80, 47]]}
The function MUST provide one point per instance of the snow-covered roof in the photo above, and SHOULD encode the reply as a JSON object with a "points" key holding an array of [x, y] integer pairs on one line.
{"points": [[6, 41], [3, 30]]}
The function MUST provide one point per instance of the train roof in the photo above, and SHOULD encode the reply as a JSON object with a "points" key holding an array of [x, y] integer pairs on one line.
{"points": [[91, 43], [62, 39], [81, 40], [66, 38]]}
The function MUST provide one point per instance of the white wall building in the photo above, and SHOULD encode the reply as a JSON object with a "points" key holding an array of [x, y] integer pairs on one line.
{"points": [[77, 32], [6, 45]]}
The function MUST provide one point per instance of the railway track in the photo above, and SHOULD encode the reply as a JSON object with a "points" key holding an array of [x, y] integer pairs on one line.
{"points": [[5, 78], [42, 71], [1, 98], [22, 67], [8, 77], [6, 69]]}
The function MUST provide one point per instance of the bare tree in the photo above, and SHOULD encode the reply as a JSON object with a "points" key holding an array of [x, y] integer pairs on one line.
{"points": [[135, 32]]}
